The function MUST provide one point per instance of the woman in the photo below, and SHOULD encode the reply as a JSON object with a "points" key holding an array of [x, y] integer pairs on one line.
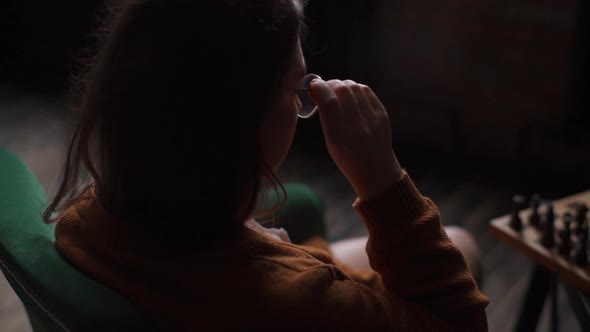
{"points": [[177, 168]]}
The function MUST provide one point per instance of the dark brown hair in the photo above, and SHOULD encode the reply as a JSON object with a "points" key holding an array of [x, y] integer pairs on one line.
{"points": [[170, 115]]}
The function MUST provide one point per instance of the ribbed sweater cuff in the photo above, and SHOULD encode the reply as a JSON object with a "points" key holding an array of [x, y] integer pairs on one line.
{"points": [[402, 201]]}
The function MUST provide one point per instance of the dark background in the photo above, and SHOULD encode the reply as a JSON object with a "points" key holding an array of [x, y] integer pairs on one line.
{"points": [[494, 87], [500, 86]]}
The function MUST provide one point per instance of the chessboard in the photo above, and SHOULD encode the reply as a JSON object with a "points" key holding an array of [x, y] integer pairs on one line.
{"points": [[553, 234]]}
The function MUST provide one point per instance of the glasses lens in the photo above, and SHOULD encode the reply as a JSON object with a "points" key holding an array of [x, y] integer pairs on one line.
{"points": [[309, 107]]}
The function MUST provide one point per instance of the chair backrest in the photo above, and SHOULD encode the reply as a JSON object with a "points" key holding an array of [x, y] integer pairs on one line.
{"points": [[56, 295]]}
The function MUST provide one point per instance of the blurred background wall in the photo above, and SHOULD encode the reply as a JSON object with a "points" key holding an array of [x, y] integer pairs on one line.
{"points": [[497, 86], [500, 80], [504, 82], [501, 84], [40, 39]]}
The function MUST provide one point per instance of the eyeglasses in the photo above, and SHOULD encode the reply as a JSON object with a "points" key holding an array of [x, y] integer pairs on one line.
{"points": [[309, 107]]}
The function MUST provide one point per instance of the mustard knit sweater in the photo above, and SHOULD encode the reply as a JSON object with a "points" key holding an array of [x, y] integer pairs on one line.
{"points": [[420, 280]]}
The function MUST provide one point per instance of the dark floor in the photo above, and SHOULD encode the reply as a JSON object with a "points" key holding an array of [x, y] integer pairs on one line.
{"points": [[34, 128]]}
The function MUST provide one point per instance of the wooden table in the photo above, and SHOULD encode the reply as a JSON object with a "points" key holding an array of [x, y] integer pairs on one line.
{"points": [[550, 267]]}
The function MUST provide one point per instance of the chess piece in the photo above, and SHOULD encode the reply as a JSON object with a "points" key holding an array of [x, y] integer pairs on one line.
{"points": [[581, 255], [582, 231], [518, 203], [581, 220], [565, 236], [548, 237], [534, 217]]}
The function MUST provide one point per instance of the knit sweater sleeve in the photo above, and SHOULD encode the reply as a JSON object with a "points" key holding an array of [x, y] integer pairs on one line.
{"points": [[426, 285], [418, 263]]}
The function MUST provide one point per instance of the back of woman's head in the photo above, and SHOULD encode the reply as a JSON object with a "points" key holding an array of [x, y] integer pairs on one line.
{"points": [[171, 110]]}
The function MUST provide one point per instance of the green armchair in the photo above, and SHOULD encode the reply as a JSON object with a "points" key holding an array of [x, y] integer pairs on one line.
{"points": [[57, 297]]}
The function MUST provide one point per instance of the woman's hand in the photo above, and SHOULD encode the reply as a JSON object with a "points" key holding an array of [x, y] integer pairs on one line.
{"points": [[358, 135]]}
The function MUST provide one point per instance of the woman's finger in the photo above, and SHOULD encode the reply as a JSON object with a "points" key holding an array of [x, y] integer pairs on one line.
{"points": [[373, 99], [360, 96], [326, 100], [348, 103]]}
